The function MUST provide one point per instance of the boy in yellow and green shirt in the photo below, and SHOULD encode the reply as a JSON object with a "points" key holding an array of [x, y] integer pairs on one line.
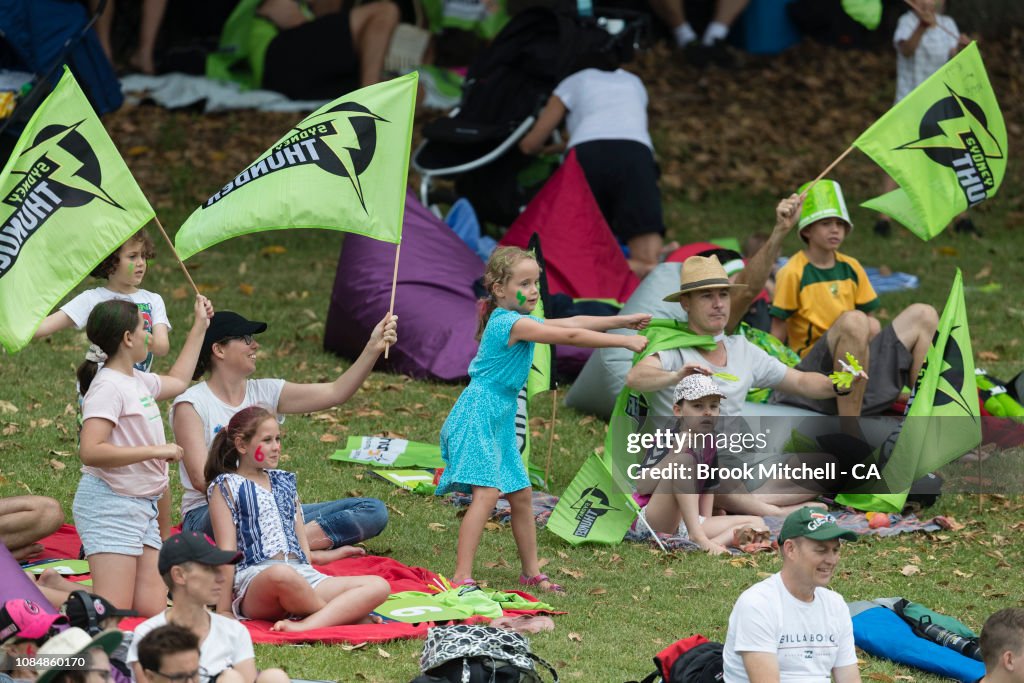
{"points": [[822, 306]]}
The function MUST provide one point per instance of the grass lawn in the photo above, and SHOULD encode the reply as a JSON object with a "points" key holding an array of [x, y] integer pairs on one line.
{"points": [[624, 602]]}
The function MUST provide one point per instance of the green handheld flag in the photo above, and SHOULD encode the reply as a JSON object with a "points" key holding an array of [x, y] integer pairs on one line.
{"points": [[69, 201], [388, 452], [930, 436], [944, 144], [867, 13], [593, 509], [344, 167]]}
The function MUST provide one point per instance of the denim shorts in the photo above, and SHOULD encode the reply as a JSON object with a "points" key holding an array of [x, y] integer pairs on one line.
{"points": [[244, 577], [108, 522]]}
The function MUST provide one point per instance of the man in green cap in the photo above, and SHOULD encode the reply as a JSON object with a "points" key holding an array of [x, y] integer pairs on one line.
{"points": [[823, 308], [790, 626]]}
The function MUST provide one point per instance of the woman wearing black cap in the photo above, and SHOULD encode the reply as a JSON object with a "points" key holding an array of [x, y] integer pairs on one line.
{"points": [[229, 354]]}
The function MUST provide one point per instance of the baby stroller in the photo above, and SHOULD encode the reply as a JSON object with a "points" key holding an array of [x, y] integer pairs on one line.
{"points": [[505, 89]]}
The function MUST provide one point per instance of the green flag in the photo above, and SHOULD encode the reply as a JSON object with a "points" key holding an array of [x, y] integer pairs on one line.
{"points": [[69, 201], [867, 13], [943, 421], [630, 411], [593, 509], [541, 378], [382, 451], [344, 167], [944, 144]]}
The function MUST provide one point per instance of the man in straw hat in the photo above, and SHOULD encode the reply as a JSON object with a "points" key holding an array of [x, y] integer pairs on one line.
{"points": [[823, 309], [790, 626]]}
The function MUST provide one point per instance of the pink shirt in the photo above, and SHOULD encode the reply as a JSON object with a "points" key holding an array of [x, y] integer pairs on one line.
{"points": [[130, 403]]}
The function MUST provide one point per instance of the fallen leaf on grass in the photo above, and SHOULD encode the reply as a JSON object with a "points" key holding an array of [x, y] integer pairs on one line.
{"points": [[348, 648], [272, 250], [395, 510], [492, 526], [962, 575], [383, 653], [543, 562], [575, 637], [436, 526], [328, 438], [179, 293], [8, 407], [562, 555], [246, 289], [574, 573], [910, 570], [598, 591], [57, 465], [61, 454], [11, 428], [879, 676], [990, 356], [984, 272], [502, 563]]}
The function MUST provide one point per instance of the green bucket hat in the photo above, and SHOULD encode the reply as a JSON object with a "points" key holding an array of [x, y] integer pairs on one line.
{"points": [[813, 524], [825, 200]]}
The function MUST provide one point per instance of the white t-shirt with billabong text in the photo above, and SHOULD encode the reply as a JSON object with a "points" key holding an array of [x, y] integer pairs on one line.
{"points": [[808, 638]]}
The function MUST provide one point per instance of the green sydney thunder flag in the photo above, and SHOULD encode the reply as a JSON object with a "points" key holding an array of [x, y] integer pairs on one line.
{"points": [[943, 421], [344, 167], [593, 508], [68, 201], [630, 411], [867, 13], [944, 144]]}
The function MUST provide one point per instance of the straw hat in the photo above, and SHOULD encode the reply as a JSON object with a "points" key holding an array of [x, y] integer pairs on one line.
{"points": [[701, 272], [75, 641]]}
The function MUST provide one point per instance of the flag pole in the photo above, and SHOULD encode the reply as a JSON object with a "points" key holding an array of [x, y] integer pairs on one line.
{"points": [[551, 436], [394, 285], [651, 531], [803, 195], [175, 252]]}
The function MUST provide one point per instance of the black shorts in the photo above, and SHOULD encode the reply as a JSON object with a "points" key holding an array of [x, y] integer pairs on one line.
{"points": [[315, 61], [623, 176]]}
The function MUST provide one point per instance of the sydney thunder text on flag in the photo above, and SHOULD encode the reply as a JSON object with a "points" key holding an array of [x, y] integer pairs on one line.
{"points": [[68, 202], [944, 144], [344, 167]]}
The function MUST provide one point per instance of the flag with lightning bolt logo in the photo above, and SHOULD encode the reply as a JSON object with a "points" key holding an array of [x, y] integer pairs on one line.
{"points": [[593, 509], [944, 144], [943, 419], [344, 167], [68, 201]]}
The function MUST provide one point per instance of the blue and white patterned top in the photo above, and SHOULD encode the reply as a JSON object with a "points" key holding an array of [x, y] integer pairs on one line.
{"points": [[264, 520]]}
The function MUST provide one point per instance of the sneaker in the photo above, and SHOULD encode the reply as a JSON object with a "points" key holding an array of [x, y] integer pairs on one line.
{"points": [[967, 227], [883, 228]]}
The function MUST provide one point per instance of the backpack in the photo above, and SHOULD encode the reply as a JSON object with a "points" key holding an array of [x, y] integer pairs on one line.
{"points": [[690, 660], [478, 654]]}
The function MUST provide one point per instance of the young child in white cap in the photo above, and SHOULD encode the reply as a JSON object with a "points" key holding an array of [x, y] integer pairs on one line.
{"points": [[680, 497]]}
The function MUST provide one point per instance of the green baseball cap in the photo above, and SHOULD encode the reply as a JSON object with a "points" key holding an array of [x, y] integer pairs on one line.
{"points": [[813, 524], [825, 200]]}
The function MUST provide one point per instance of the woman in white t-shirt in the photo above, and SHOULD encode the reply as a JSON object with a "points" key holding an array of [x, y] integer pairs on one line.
{"points": [[605, 109], [229, 355], [124, 452]]}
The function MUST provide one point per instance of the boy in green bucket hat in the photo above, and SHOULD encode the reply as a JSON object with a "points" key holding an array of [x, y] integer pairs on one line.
{"points": [[823, 310]]}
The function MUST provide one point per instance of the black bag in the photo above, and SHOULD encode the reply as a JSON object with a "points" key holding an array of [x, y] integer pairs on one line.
{"points": [[690, 660], [478, 654]]}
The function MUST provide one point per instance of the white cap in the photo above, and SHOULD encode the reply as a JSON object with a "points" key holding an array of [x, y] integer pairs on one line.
{"points": [[695, 386]]}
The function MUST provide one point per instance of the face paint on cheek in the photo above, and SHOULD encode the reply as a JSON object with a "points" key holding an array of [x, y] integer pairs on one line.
{"points": [[520, 298], [258, 455]]}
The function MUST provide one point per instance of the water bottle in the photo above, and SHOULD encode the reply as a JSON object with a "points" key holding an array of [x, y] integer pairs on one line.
{"points": [[968, 647]]}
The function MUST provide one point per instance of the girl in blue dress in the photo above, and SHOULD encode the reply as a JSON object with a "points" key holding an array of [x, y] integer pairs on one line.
{"points": [[478, 441]]}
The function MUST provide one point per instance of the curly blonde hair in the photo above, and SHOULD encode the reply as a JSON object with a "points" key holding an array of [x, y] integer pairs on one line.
{"points": [[499, 271]]}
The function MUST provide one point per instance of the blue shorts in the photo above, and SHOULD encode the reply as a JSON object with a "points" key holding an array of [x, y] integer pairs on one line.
{"points": [[108, 522]]}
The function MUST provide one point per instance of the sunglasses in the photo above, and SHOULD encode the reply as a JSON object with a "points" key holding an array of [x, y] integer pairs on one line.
{"points": [[246, 339], [188, 677]]}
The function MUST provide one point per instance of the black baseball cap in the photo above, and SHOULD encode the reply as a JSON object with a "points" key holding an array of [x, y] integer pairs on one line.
{"points": [[226, 324], [192, 546], [86, 611]]}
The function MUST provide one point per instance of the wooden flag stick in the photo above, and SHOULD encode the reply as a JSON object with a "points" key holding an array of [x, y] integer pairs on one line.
{"points": [[913, 5], [394, 285], [803, 195], [175, 252], [551, 437]]}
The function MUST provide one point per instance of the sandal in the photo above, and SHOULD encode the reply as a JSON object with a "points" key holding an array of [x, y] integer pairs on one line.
{"points": [[539, 579], [465, 582]]}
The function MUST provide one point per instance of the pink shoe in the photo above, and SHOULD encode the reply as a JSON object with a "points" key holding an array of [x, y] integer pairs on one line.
{"points": [[539, 579]]}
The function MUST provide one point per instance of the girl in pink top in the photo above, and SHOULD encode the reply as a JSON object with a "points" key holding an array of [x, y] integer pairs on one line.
{"points": [[124, 452]]}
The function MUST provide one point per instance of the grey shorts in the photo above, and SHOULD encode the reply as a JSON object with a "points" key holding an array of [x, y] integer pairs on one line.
{"points": [[888, 370], [109, 522], [244, 577]]}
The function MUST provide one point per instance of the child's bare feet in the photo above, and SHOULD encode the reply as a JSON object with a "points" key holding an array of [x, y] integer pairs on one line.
{"points": [[287, 626], [28, 552], [52, 579]]}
